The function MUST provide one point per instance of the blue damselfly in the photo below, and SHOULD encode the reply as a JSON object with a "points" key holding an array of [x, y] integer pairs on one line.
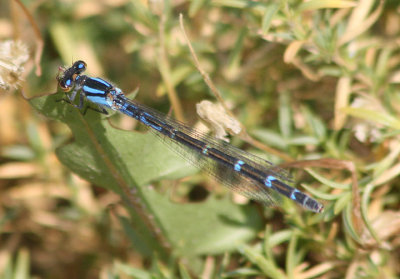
{"points": [[241, 171]]}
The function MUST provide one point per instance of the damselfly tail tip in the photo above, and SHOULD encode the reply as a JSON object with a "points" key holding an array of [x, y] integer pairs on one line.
{"points": [[319, 208]]}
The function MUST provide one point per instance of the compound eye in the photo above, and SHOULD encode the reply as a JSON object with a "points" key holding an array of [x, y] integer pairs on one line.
{"points": [[80, 66], [66, 85]]}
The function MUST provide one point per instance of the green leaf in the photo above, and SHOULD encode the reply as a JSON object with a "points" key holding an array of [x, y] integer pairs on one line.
{"points": [[267, 267], [342, 202], [131, 271], [184, 272], [195, 6], [285, 115], [316, 124], [303, 140], [326, 4], [22, 264], [382, 118], [270, 138], [328, 182], [268, 16], [347, 217]]}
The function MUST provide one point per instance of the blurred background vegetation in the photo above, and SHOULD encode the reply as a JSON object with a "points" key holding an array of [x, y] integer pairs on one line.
{"points": [[310, 80]]}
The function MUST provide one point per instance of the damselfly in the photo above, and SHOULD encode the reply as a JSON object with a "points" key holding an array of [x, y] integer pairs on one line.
{"points": [[242, 172]]}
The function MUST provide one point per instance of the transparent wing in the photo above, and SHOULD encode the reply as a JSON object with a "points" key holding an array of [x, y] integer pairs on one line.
{"points": [[234, 180]]}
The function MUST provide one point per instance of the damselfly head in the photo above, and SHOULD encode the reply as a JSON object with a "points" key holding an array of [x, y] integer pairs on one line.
{"points": [[79, 66], [66, 76], [65, 80]]}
